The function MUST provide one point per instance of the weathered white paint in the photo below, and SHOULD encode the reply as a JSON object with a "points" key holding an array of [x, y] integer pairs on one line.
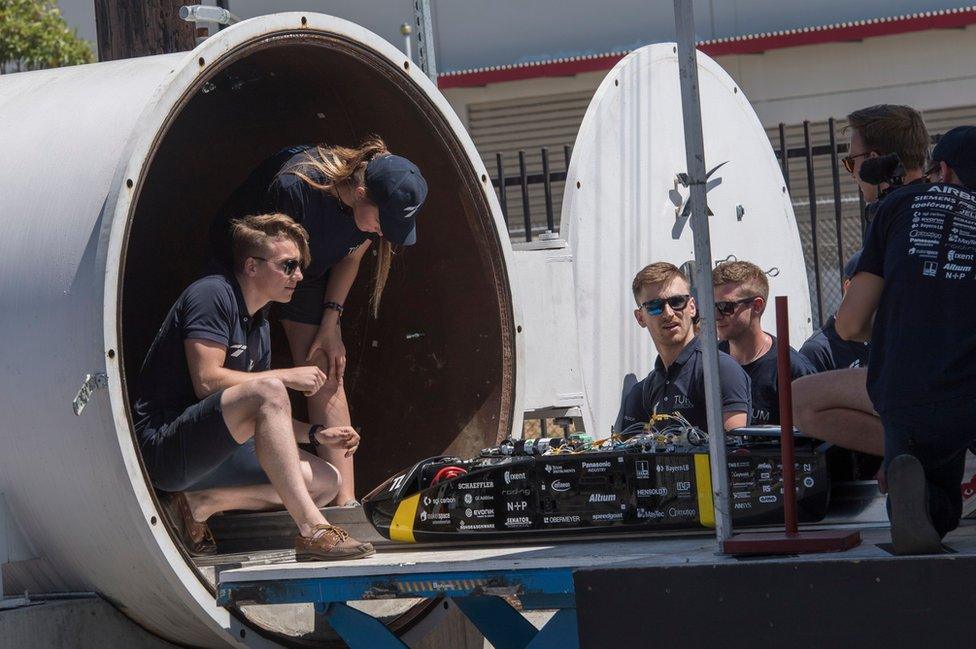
{"points": [[619, 211], [551, 353]]}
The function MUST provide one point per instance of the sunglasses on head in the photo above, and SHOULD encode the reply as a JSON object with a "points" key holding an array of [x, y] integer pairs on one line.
{"points": [[656, 306], [728, 308], [288, 266], [849, 161]]}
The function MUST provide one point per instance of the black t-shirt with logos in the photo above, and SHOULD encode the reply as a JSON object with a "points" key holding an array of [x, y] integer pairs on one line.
{"points": [[826, 351], [275, 187], [764, 376], [211, 308], [922, 242], [681, 388]]}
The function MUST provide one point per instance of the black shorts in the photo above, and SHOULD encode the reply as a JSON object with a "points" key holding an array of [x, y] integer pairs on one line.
{"points": [[307, 304], [180, 448], [240, 469]]}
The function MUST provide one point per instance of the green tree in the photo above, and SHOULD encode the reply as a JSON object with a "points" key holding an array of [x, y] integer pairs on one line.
{"points": [[34, 35]]}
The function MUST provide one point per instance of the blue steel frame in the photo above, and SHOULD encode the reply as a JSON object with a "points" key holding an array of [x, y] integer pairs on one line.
{"points": [[476, 593]]}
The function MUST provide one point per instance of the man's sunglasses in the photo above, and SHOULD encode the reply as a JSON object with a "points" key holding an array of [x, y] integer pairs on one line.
{"points": [[656, 306], [849, 161], [288, 266], [728, 308]]}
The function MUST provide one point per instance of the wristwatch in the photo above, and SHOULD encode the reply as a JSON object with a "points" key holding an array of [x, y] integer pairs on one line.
{"points": [[312, 439]]}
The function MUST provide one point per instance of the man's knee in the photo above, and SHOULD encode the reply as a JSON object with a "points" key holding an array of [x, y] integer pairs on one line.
{"points": [[266, 394]]}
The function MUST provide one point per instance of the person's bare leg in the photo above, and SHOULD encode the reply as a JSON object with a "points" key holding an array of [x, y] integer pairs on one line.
{"points": [[321, 480], [327, 407], [260, 409], [835, 407], [337, 414]]}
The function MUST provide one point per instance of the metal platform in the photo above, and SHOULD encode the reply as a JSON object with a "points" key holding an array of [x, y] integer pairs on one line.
{"points": [[603, 580]]}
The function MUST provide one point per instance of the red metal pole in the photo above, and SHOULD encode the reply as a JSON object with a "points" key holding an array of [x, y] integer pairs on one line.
{"points": [[785, 380]]}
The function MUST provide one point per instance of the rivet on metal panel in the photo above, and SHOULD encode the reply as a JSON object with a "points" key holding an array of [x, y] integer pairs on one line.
{"points": [[129, 183], [201, 62], [616, 82], [484, 178], [243, 633], [152, 520], [406, 65], [111, 353], [304, 21], [518, 329], [578, 184], [735, 90]]}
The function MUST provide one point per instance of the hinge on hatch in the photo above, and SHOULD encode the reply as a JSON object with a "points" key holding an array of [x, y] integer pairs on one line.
{"points": [[87, 391]]}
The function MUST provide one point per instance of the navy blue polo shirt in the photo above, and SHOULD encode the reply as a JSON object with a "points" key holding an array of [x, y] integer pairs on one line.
{"points": [[826, 351], [764, 376], [922, 242], [681, 388], [274, 187], [211, 308]]}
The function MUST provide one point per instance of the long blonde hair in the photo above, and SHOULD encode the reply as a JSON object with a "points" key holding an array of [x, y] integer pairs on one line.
{"points": [[341, 165]]}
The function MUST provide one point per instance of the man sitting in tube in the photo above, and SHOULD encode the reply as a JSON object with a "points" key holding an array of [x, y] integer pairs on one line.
{"points": [[677, 384], [348, 199], [214, 420]]}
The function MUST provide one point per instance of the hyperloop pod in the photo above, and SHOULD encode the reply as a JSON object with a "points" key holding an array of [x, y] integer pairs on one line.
{"points": [[109, 177], [111, 173]]}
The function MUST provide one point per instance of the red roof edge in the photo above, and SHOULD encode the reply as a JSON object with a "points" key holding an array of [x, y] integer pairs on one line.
{"points": [[753, 44], [840, 33], [565, 68]]}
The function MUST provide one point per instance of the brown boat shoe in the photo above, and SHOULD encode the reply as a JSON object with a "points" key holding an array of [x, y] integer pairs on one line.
{"points": [[330, 543], [196, 536]]}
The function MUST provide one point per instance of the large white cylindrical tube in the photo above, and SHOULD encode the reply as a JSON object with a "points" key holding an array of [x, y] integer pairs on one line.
{"points": [[108, 176]]}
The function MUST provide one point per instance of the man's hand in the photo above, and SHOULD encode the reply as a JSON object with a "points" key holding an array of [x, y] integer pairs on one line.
{"points": [[340, 437], [307, 379], [328, 343]]}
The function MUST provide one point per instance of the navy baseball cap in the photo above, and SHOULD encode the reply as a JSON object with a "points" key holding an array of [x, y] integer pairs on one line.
{"points": [[396, 186], [957, 148], [850, 268]]}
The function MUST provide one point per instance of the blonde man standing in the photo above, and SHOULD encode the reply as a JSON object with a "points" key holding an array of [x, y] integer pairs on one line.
{"points": [[741, 293], [677, 384]]}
